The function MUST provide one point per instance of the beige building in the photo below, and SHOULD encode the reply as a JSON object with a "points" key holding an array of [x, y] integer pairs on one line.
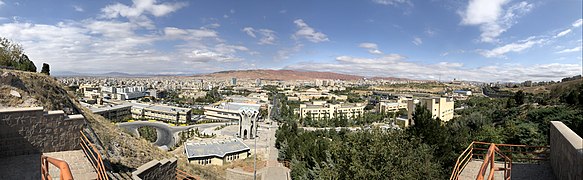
{"points": [[322, 110], [227, 111], [439, 107], [170, 114], [216, 152], [391, 106]]}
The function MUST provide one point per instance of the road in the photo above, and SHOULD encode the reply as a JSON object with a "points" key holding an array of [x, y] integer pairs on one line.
{"points": [[166, 134]]}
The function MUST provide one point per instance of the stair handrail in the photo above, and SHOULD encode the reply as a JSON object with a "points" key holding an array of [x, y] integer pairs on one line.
{"points": [[460, 165], [94, 157], [489, 159], [65, 171]]}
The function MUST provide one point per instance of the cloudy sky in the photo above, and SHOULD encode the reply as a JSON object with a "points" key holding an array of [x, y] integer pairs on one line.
{"points": [[484, 40]]}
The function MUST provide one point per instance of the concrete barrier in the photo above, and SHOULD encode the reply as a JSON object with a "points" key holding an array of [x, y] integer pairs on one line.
{"points": [[159, 170], [566, 152]]}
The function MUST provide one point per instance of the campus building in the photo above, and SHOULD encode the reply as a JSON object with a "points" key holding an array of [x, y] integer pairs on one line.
{"points": [[170, 114], [216, 152], [439, 107], [227, 111], [113, 112], [321, 110]]}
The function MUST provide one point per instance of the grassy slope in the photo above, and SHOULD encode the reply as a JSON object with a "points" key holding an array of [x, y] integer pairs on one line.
{"points": [[118, 147]]}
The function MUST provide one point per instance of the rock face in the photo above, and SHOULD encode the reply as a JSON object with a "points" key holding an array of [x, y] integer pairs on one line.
{"points": [[15, 93]]}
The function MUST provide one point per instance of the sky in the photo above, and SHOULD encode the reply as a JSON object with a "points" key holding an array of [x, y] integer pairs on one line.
{"points": [[475, 40]]}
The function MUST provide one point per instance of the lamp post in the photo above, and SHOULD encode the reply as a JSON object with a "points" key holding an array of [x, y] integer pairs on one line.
{"points": [[255, 162]]}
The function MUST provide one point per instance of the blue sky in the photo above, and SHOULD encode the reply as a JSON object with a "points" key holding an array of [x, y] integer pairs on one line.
{"points": [[483, 40]]}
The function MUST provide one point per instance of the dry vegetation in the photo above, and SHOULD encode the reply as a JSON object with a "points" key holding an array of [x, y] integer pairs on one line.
{"points": [[558, 88], [116, 146]]}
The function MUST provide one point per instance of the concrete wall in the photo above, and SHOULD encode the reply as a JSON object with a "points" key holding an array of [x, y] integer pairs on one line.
{"points": [[31, 131], [157, 170], [566, 152]]}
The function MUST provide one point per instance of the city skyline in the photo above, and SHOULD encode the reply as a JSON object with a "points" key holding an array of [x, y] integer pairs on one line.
{"points": [[479, 40]]}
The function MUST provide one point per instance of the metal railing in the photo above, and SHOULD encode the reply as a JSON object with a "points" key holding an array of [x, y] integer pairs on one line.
{"points": [[181, 175], [516, 153], [65, 171], [490, 161], [94, 157]]}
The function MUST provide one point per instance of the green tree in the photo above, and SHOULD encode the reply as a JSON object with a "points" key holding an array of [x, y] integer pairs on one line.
{"points": [[519, 97], [46, 69], [12, 55]]}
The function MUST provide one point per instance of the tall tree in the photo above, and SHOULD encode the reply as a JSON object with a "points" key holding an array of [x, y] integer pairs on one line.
{"points": [[46, 69]]}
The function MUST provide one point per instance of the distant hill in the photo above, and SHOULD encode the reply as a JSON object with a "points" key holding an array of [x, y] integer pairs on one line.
{"points": [[285, 75]]}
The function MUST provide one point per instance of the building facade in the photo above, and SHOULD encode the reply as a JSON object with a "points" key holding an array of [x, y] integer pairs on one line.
{"points": [[442, 108], [318, 110], [169, 114]]}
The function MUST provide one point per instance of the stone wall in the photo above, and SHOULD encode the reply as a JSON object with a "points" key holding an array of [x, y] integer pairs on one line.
{"points": [[159, 170], [566, 152], [31, 131]]}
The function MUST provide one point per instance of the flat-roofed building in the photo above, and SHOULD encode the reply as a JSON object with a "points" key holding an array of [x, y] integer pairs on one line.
{"points": [[391, 106], [321, 110], [114, 112], [165, 113], [439, 107], [216, 152], [227, 111]]}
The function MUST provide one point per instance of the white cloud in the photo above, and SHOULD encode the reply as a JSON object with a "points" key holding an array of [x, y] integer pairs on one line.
{"points": [[138, 11], [250, 31], [267, 35], [417, 41], [398, 66], [308, 32], [209, 56], [185, 34], [577, 23], [286, 53], [78, 8], [512, 47], [392, 2], [371, 47], [491, 16], [563, 33], [139, 7], [575, 49], [2, 3]]}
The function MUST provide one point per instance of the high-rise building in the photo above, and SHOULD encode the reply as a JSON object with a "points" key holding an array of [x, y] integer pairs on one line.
{"points": [[234, 81]]}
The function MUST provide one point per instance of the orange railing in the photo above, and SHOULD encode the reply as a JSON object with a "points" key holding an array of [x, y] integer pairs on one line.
{"points": [[479, 150], [65, 171], [461, 164], [490, 160], [181, 175], [94, 157]]}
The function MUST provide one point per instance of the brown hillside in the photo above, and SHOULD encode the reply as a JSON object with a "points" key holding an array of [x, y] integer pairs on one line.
{"points": [[284, 75]]}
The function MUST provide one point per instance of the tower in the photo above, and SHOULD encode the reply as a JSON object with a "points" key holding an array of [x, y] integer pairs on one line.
{"points": [[248, 123]]}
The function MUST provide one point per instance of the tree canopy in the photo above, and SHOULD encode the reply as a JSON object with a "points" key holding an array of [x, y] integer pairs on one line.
{"points": [[12, 55]]}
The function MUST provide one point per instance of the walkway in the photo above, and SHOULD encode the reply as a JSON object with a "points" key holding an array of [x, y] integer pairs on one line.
{"points": [[80, 166], [274, 169], [520, 171]]}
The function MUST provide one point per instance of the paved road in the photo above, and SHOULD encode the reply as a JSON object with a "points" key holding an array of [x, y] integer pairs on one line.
{"points": [[166, 134]]}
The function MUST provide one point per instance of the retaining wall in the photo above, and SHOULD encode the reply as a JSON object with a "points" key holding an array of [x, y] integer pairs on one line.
{"points": [[157, 170], [31, 131], [566, 152]]}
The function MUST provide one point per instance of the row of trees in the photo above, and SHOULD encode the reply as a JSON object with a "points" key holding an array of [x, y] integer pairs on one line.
{"points": [[12, 55]]}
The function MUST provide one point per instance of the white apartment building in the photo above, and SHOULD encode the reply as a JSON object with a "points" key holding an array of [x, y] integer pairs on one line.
{"points": [[170, 114], [322, 110]]}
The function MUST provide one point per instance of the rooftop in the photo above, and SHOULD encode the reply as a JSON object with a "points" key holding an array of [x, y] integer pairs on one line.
{"points": [[216, 148]]}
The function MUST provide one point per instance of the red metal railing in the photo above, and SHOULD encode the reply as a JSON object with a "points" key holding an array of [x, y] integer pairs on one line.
{"points": [[94, 157], [181, 175], [480, 150], [490, 161], [65, 171]]}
